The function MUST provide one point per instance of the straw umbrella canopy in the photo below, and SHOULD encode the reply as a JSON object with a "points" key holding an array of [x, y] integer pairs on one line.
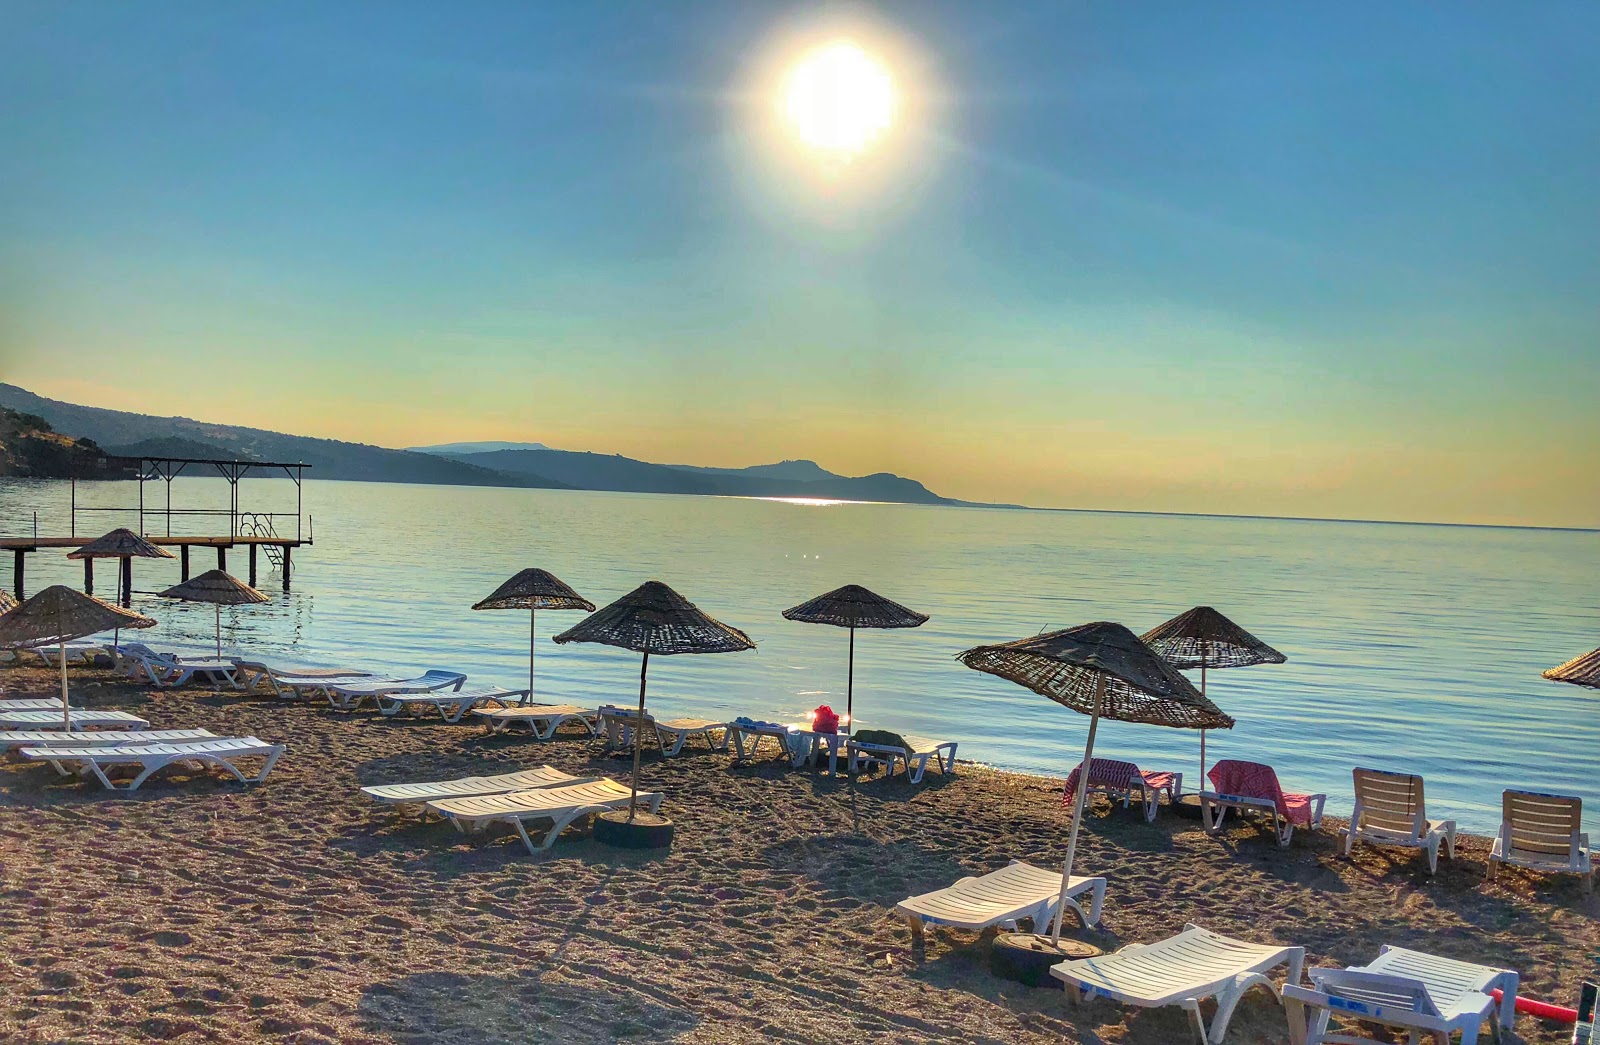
{"points": [[60, 613], [1580, 671], [655, 619], [218, 588], [1101, 670], [1204, 638], [121, 543], [534, 590], [853, 606]]}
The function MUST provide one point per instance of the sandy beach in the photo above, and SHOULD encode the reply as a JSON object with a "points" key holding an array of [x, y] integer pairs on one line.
{"points": [[203, 910]]}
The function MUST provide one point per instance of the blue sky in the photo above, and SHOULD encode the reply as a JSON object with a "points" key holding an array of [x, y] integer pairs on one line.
{"points": [[1332, 260]]}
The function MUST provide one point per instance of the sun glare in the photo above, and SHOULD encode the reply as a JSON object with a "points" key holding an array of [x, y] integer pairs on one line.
{"points": [[838, 99]]}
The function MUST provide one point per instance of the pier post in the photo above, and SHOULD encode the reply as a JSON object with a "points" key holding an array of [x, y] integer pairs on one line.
{"points": [[127, 581], [88, 576], [222, 559], [16, 575], [252, 566], [183, 561], [286, 550]]}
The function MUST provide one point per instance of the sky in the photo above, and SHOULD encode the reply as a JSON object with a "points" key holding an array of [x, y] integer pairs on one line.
{"points": [[1307, 260]]}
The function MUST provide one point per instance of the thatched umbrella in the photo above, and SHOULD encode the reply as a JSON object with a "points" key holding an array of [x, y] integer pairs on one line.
{"points": [[655, 619], [534, 590], [1580, 671], [853, 606], [121, 543], [8, 602], [218, 588], [60, 613], [1101, 670], [1203, 638]]}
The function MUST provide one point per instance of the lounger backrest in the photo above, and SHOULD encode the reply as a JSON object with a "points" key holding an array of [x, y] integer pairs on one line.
{"points": [[1247, 780], [1371, 991], [1390, 801], [1540, 823]]}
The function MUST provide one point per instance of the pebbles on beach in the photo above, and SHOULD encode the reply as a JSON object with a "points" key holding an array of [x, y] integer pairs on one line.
{"points": [[198, 909]]}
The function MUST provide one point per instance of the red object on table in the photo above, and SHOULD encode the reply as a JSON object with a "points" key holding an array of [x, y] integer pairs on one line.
{"points": [[825, 720]]}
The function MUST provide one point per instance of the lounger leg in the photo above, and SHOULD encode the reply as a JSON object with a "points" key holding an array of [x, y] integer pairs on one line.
{"points": [[1450, 840], [1151, 800], [1433, 855], [1193, 1009], [922, 767], [133, 785], [1228, 1000]]}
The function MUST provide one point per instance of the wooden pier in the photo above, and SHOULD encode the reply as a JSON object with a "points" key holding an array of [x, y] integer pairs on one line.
{"points": [[252, 531]]}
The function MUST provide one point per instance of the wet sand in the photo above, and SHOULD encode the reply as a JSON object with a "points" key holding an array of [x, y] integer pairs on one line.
{"points": [[199, 909]]}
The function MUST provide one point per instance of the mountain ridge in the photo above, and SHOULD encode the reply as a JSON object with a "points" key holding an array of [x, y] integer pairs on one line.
{"points": [[532, 465]]}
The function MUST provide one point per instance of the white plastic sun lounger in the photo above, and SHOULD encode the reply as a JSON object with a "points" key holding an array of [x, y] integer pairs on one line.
{"points": [[619, 725], [1542, 833], [942, 753], [464, 787], [1183, 970], [673, 733], [1390, 810], [562, 805], [166, 670], [252, 673], [1421, 992], [77, 653], [451, 705], [347, 696], [791, 744], [97, 738], [1002, 898], [77, 718], [151, 758], [542, 720], [297, 684], [31, 704]]}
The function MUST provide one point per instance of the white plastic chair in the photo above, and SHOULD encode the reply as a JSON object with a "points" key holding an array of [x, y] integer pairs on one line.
{"points": [[1542, 833], [1390, 810]]}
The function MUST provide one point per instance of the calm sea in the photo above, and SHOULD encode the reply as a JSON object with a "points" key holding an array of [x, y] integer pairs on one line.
{"points": [[1410, 647]]}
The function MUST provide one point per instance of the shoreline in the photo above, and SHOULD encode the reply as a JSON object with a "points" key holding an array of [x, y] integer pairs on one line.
{"points": [[199, 909]]}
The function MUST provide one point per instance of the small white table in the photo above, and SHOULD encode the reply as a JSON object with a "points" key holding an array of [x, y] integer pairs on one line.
{"points": [[813, 743]]}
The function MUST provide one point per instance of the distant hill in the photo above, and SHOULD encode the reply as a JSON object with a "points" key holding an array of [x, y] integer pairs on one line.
{"points": [[30, 448], [793, 471], [613, 472], [486, 463], [328, 458], [475, 448]]}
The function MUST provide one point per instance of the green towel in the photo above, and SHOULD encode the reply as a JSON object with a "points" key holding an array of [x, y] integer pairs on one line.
{"points": [[881, 738]]}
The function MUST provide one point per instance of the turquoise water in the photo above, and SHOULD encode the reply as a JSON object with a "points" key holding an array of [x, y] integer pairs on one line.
{"points": [[1410, 647]]}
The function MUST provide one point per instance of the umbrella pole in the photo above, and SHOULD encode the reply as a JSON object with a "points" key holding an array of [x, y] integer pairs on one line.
{"points": [[1077, 808], [850, 686], [66, 715], [638, 737], [218, 608], [533, 638], [1201, 786]]}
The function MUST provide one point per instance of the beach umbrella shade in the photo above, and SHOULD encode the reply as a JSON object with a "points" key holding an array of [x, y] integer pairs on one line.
{"points": [[1580, 671], [60, 613], [218, 588], [1101, 670], [121, 543], [534, 590], [1203, 638], [655, 619], [853, 606]]}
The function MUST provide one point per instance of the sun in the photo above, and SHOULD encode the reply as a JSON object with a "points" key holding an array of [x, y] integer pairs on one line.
{"points": [[838, 99]]}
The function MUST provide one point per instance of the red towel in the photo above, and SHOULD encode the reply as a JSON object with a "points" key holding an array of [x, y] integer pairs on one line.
{"points": [[1121, 776], [1254, 780]]}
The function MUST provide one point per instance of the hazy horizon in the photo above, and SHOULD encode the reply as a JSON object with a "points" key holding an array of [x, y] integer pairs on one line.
{"points": [[1292, 263]]}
